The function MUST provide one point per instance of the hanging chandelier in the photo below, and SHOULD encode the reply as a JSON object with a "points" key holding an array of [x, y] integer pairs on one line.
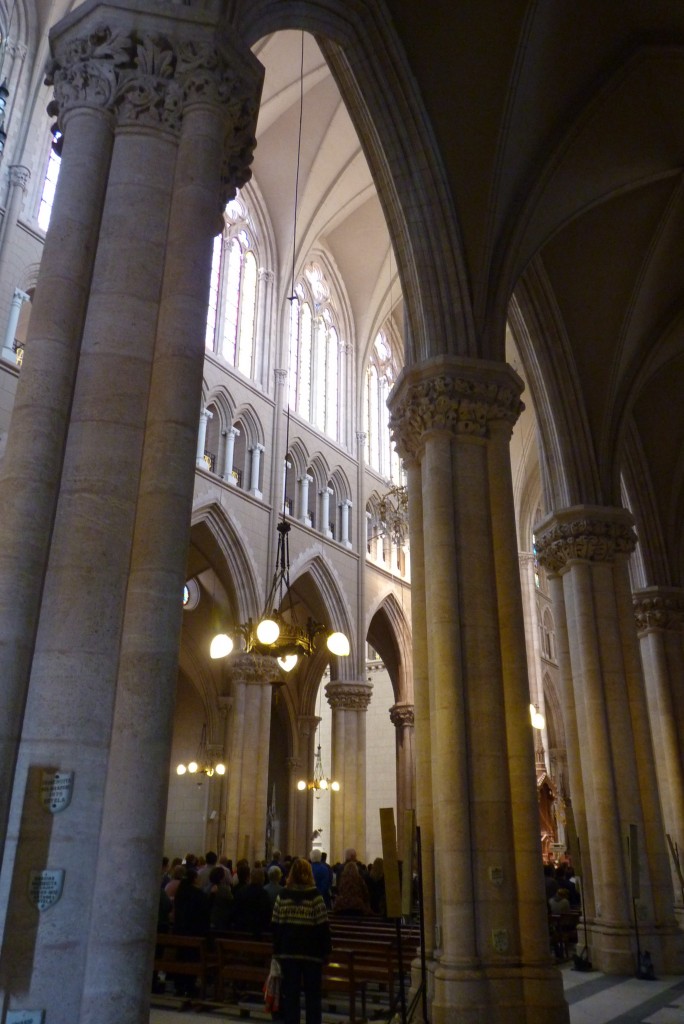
{"points": [[320, 782], [204, 763], [276, 635]]}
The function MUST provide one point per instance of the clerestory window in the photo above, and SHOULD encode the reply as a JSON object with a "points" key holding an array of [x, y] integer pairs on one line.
{"points": [[231, 314]]}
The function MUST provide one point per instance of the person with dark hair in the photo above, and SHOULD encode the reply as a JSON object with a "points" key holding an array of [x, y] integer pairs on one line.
{"points": [[352, 899], [321, 874], [221, 900], [251, 906], [301, 942], [191, 916]]}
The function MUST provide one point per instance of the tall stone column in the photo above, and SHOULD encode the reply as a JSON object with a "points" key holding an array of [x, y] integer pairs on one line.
{"points": [[349, 702], [229, 454], [18, 300], [452, 419], [255, 469], [303, 486], [19, 177], [205, 416], [294, 802], [589, 548], [104, 670], [659, 613], [29, 487], [324, 511], [345, 512], [252, 676], [402, 718], [134, 816], [307, 725]]}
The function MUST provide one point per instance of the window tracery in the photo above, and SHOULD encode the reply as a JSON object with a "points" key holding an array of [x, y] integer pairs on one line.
{"points": [[381, 373]]}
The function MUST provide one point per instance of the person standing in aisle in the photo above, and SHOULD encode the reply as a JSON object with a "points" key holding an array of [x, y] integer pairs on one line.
{"points": [[301, 942]]}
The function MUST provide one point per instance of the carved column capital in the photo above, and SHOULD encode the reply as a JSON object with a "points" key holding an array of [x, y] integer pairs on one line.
{"points": [[19, 175], [293, 763], [349, 696], [659, 608], [584, 533], [307, 725], [402, 714], [459, 396], [256, 669]]}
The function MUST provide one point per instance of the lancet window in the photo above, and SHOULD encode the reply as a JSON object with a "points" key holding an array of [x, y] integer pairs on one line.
{"points": [[316, 354], [231, 314], [381, 373]]}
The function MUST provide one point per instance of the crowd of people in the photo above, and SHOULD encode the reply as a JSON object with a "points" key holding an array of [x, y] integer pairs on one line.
{"points": [[286, 899]]}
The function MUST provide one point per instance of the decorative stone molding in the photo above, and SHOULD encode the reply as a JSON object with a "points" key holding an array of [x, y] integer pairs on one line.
{"points": [[256, 669], [349, 696], [19, 175], [293, 763], [280, 376], [149, 79], [402, 714], [584, 533], [457, 396], [659, 608], [307, 725]]}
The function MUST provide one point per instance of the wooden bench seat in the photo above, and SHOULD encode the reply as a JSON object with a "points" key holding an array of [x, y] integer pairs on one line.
{"points": [[244, 963], [186, 954]]}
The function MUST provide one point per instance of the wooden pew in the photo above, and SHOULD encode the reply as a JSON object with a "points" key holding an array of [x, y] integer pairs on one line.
{"points": [[244, 963], [186, 954]]}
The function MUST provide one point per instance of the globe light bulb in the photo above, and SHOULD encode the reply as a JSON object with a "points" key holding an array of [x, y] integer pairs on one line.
{"points": [[192, 767], [288, 662], [220, 769], [181, 769], [267, 631], [323, 783], [301, 785], [220, 646], [338, 644], [335, 786]]}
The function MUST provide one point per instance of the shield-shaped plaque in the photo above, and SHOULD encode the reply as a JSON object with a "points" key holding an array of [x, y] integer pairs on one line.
{"points": [[45, 887], [55, 790]]}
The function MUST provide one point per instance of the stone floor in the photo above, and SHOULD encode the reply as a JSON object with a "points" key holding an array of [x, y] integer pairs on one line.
{"points": [[594, 998]]}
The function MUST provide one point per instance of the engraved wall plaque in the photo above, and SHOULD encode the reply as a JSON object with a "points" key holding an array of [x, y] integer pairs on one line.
{"points": [[25, 1017], [45, 887], [55, 790]]}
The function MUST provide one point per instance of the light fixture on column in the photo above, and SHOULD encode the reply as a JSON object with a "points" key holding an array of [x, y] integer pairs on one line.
{"points": [[204, 764], [278, 634], [536, 717]]}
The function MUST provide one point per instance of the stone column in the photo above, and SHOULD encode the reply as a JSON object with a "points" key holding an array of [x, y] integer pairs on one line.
{"points": [[278, 467], [529, 593], [19, 177], [452, 419], [324, 511], [256, 453], [349, 702], [262, 346], [307, 725], [29, 487], [345, 511], [589, 548], [659, 613], [422, 706], [294, 801], [69, 707], [231, 434], [304, 482], [133, 816], [205, 416], [18, 299], [252, 676], [403, 720]]}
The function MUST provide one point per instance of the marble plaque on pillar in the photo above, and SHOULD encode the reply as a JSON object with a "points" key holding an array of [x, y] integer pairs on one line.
{"points": [[25, 1017], [55, 790], [45, 887]]}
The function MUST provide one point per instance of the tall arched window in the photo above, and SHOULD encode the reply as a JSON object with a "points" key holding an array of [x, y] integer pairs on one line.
{"points": [[380, 376], [315, 353], [231, 316]]}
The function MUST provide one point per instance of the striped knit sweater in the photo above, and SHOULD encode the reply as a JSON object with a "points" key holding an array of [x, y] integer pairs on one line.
{"points": [[300, 925]]}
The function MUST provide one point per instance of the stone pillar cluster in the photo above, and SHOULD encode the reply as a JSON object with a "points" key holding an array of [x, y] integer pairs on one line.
{"points": [[585, 549], [158, 117], [476, 797], [349, 702]]}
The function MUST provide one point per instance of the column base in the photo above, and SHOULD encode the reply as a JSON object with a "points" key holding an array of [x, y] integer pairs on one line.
{"points": [[524, 994], [613, 949]]}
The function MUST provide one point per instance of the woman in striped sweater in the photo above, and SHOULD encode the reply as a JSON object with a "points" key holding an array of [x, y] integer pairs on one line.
{"points": [[301, 942]]}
